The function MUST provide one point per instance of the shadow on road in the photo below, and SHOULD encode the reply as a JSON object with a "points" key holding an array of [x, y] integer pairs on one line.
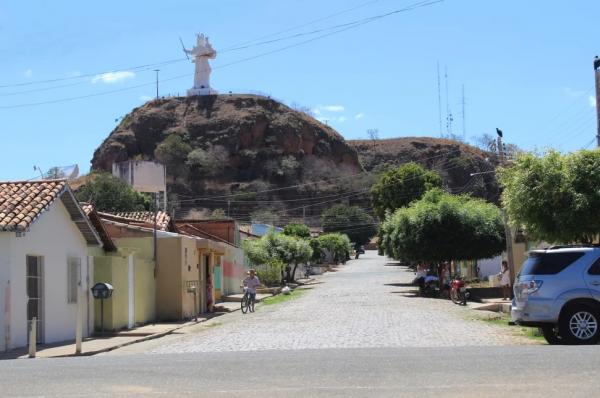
{"points": [[400, 284]]}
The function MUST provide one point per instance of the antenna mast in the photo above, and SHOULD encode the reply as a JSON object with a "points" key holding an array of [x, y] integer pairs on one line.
{"points": [[439, 98], [448, 113]]}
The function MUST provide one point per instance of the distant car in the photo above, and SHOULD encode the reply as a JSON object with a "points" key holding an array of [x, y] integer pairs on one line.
{"points": [[361, 250], [558, 290]]}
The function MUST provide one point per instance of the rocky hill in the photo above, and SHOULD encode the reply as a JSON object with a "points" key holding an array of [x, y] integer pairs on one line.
{"points": [[247, 144], [454, 160]]}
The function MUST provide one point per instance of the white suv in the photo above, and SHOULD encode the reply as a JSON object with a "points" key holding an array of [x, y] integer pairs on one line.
{"points": [[558, 290]]}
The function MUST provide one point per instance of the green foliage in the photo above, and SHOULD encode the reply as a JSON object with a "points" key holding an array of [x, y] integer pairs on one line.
{"points": [[400, 186], [265, 216], [287, 249], [442, 227], [335, 243], [356, 223], [270, 272], [554, 197], [173, 152], [217, 214], [297, 230], [108, 193], [208, 162]]}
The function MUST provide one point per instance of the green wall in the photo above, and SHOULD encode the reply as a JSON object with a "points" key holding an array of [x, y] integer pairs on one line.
{"points": [[113, 268]]}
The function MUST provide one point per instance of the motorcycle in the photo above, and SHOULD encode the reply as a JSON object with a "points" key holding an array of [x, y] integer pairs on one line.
{"points": [[458, 291], [430, 287]]}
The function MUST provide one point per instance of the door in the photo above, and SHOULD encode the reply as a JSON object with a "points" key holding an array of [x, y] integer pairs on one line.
{"points": [[592, 279], [35, 295]]}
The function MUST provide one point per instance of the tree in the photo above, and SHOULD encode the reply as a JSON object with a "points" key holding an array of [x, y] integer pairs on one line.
{"points": [[441, 227], [355, 222], [173, 152], [265, 216], [297, 230], [554, 197], [338, 245], [208, 162], [374, 136], [218, 214], [288, 250], [108, 193], [401, 186], [55, 173]]}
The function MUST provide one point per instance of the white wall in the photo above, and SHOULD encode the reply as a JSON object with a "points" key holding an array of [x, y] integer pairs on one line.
{"points": [[6, 242], [490, 266], [55, 237]]}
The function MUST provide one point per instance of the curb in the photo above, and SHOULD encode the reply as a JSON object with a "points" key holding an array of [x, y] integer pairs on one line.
{"points": [[125, 344]]}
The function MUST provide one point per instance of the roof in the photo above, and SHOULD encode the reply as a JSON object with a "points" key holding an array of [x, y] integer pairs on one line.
{"points": [[22, 202], [191, 229], [92, 214], [145, 218]]}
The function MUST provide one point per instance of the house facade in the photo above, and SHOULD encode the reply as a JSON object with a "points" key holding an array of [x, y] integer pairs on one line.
{"points": [[45, 267]]}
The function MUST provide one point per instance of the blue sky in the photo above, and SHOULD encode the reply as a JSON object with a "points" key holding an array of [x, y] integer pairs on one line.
{"points": [[526, 67]]}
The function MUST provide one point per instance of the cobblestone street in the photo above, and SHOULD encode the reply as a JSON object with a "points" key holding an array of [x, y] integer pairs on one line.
{"points": [[364, 304]]}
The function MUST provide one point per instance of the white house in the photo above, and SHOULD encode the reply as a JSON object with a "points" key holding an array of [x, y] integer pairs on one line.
{"points": [[44, 239]]}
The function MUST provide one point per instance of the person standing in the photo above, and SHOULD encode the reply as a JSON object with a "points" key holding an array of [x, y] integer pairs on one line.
{"points": [[505, 281]]}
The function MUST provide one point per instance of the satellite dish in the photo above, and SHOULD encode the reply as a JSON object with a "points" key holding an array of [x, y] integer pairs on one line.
{"points": [[74, 173]]}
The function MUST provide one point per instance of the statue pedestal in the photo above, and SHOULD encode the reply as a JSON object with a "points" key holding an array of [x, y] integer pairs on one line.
{"points": [[202, 91]]}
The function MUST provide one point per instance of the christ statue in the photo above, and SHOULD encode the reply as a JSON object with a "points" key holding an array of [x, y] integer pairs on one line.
{"points": [[201, 53]]}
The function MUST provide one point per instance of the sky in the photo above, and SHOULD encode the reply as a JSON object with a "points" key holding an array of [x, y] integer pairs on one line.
{"points": [[70, 71]]}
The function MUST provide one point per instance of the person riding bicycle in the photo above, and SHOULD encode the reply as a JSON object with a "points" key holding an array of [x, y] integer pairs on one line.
{"points": [[250, 283]]}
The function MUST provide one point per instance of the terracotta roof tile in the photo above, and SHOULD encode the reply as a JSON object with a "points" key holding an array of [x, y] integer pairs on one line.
{"points": [[22, 202], [140, 217]]}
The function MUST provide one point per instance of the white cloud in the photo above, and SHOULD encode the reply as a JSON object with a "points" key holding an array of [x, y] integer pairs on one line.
{"points": [[359, 116], [341, 119], [28, 73], [146, 98], [592, 101], [113, 77], [316, 111], [333, 108]]}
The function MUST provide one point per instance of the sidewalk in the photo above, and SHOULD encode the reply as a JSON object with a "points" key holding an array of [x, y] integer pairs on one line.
{"points": [[96, 345]]}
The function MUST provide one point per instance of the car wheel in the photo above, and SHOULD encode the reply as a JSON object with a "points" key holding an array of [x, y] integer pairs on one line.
{"points": [[579, 325], [550, 333]]}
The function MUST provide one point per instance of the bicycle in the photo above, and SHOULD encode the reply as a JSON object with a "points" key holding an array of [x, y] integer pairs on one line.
{"points": [[247, 302]]}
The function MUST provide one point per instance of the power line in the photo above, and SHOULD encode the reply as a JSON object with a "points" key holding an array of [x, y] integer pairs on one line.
{"points": [[347, 27]]}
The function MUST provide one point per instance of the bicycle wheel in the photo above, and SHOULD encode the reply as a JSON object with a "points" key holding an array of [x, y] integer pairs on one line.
{"points": [[245, 303]]}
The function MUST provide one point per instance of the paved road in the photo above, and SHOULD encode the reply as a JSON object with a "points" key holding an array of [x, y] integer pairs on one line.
{"points": [[365, 304], [513, 371]]}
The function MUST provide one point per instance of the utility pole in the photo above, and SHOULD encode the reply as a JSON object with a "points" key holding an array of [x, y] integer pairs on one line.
{"points": [[507, 232], [156, 70], [597, 73]]}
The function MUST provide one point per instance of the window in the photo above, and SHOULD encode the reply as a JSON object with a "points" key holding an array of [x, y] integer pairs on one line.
{"points": [[549, 263], [73, 278], [595, 268]]}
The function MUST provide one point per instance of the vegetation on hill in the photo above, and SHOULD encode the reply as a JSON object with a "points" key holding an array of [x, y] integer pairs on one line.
{"points": [[257, 158]]}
